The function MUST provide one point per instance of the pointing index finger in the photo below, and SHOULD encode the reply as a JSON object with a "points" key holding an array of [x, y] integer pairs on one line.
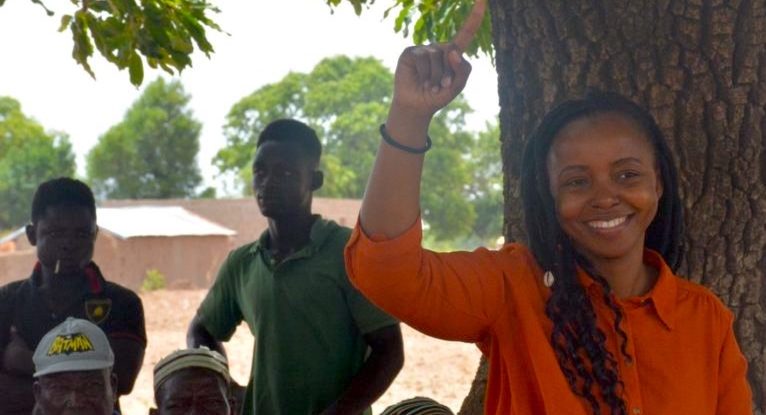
{"points": [[471, 26]]}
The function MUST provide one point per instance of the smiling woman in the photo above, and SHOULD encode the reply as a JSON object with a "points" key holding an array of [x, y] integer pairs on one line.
{"points": [[595, 171], [606, 187], [590, 318]]}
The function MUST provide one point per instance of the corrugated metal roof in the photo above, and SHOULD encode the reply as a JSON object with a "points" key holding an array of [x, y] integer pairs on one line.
{"points": [[243, 215], [139, 221]]}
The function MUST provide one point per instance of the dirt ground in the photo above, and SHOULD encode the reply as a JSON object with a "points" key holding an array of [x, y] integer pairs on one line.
{"points": [[434, 368]]}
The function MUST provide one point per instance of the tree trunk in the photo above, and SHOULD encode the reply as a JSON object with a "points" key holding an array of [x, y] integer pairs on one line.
{"points": [[700, 67]]}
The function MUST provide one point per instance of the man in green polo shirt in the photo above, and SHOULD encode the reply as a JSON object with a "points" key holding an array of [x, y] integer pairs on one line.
{"points": [[321, 347]]}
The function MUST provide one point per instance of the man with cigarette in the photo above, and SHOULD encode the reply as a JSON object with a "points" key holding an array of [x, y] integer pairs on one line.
{"points": [[64, 283]]}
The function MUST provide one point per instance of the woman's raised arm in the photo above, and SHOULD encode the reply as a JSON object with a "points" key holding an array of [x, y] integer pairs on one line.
{"points": [[427, 78]]}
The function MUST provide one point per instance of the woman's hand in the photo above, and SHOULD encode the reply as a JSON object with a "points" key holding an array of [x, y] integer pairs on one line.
{"points": [[427, 78]]}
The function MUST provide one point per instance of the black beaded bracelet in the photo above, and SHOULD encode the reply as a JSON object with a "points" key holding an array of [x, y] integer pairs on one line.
{"points": [[387, 138]]}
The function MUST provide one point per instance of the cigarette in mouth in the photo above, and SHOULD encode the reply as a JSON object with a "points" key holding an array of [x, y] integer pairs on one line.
{"points": [[58, 263]]}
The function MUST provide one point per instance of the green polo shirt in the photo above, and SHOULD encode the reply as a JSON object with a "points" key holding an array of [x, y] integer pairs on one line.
{"points": [[307, 319]]}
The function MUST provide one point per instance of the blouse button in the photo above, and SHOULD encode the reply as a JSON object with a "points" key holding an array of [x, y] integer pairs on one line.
{"points": [[636, 411]]}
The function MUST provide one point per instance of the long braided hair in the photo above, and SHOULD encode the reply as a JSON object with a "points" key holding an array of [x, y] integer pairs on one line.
{"points": [[589, 367]]}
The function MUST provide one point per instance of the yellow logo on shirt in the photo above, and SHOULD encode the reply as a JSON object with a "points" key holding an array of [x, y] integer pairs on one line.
{"points": [[97, 310], [70, 343]]}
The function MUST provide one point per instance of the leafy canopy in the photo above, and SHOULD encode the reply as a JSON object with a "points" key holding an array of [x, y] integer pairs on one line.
{"points": [[127, 33], [152, 152], [345, 100], [430, 20], [486, 187], [28, 156], [163, 33]]}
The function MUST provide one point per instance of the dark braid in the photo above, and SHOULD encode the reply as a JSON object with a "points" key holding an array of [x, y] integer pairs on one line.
{"points": [[609, 300], [575, 338]]}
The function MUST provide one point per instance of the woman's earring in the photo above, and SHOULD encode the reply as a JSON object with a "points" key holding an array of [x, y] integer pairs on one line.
{"points": [[548, 279]]}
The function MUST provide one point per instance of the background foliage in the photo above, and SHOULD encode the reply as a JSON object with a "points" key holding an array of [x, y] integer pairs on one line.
{"points": [[345, 100], [430, 20], [28, 156], [152, 153], [129, 33], [164, 33]]}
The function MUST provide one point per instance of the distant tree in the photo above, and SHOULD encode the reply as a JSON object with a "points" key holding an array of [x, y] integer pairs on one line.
{"points": [[28, 155], [126, 33], [345, 99], [152, 152], [486, 186], [208, 193]]}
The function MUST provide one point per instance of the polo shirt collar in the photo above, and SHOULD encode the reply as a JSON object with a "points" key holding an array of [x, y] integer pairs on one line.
{"points": [[663, 296], [320, 231], [92, 274]]}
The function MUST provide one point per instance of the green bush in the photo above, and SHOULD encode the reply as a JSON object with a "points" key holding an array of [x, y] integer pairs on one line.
{"points": [[153, 281]]}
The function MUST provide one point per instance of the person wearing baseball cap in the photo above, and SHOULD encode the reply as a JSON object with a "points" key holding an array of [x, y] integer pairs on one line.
{"points": [[73, 371], [192, 382]]}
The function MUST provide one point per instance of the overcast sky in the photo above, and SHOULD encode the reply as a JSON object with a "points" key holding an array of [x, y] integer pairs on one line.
{"points": [[266, 40]]}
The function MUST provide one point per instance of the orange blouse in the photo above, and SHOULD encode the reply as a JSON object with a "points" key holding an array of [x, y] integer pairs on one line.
{"points": [[685, 358]]}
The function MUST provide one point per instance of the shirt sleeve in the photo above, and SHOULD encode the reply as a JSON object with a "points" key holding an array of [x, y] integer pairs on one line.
{"points": [[219, 312], [734, 395], [453, 296]]}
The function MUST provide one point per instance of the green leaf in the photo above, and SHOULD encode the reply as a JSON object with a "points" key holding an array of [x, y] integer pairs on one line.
{"points": [[41, 4], [65, 20], [136, 70], [357, 6], [83, 48], [197, 32], [182, 45], [164, 32], [402, 19], [99, 5]]}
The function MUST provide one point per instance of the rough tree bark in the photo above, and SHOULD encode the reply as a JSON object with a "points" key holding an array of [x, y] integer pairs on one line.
{"points": [[700, 67]]}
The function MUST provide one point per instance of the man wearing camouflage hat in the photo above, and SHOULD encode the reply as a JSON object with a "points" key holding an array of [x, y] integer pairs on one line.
{"points": [[73, 371], [193, 382], [417, 406]]}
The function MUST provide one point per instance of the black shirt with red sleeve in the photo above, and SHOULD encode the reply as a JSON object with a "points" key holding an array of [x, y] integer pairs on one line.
{"points": [[117, 310]]}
